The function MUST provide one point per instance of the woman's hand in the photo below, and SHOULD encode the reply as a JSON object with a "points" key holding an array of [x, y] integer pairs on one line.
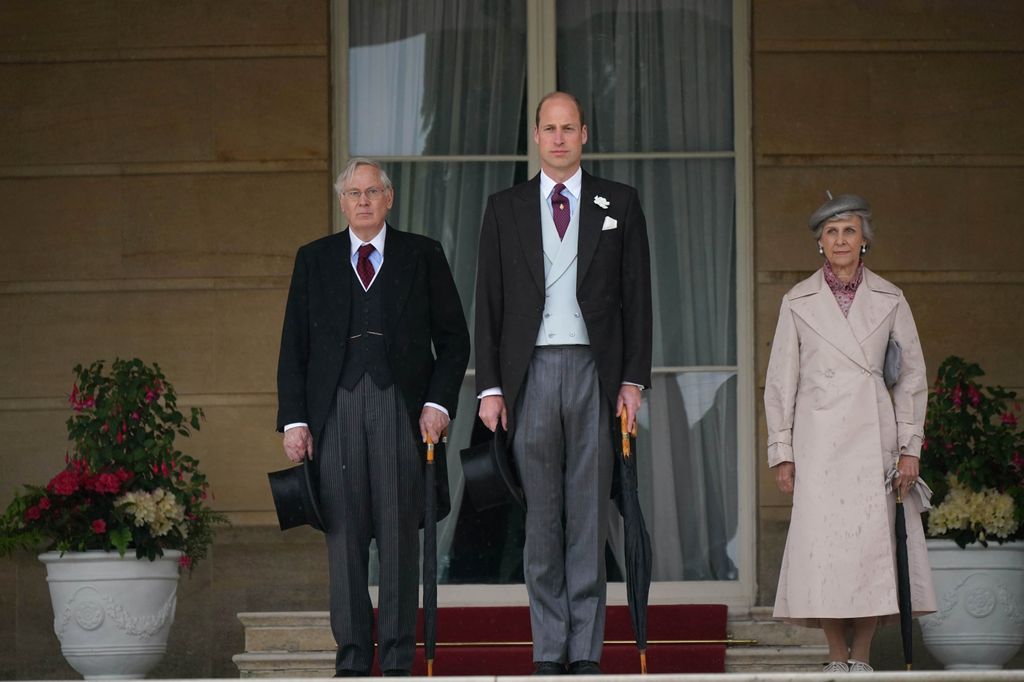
{"points": [[909, 468], [785, 474]]}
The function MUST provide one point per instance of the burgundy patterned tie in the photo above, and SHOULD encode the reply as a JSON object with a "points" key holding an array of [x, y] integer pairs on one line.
{"points": [[363, 266], [560, 210]]}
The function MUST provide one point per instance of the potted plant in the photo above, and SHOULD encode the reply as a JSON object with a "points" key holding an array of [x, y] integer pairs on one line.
{"points": [[126, 512], [973, 457]]}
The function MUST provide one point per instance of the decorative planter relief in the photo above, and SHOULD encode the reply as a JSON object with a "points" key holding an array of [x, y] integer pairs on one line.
{"points": [[112, 614], [980, 592]]}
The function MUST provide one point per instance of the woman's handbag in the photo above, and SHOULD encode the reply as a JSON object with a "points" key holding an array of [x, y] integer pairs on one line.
{"points": [[891, 365]]}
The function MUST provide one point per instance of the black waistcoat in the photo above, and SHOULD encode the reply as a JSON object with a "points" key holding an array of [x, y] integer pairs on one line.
{"points": [[365, 352]]}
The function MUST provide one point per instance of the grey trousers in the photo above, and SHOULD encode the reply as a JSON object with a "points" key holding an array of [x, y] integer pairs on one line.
{"points": [[562, 447], [371, 486]]}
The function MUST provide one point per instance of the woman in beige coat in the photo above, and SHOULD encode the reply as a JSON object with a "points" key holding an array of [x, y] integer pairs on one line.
{"points": [[834, 434]]}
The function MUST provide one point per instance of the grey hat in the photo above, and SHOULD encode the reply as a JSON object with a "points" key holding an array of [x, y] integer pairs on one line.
{"points": [[834, 206]]}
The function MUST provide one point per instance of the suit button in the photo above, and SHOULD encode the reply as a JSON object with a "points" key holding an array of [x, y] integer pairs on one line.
{"points": [[575, 314], [551, 336], [547, 314], [572, 333]]}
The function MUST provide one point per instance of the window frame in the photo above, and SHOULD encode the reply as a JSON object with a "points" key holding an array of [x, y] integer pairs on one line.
{"points": [[541, 78]]}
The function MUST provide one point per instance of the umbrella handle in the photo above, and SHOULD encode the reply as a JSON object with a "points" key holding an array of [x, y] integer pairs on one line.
{"points": [[625, 433], [643, 661], [430, 667], [430, 450]]}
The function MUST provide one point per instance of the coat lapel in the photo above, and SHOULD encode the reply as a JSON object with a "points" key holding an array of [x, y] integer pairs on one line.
{"points": [[814, 302], [396, 278], [591, 222], [335, 266], [874, 301], [527, 219]]}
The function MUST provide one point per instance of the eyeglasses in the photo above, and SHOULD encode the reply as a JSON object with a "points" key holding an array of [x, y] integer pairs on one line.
{"points": [[372, 194]]}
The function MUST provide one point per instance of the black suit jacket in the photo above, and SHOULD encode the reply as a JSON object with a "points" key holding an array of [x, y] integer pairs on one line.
{"points": [[613, 286], [421, 308]]}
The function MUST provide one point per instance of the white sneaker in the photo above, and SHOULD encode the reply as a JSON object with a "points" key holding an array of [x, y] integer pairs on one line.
{"points": [[835, 667], [860, 667]]}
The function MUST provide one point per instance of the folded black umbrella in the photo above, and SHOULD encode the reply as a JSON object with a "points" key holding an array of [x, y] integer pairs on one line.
{"points": [[430, 562], [636, 538], [903, 583]]}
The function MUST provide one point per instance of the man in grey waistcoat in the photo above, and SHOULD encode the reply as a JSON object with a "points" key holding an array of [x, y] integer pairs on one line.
{"points": [[373, 353], [563, 343]]}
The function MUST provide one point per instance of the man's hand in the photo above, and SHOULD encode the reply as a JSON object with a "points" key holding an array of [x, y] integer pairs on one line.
{"points": [[492, 410], [785, 475], [629, 400], [298, 443], [909, 468], [433, 422]]}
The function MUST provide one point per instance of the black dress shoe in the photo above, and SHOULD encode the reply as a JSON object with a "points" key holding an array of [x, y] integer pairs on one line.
{"points": [[584, 668], [397, 672], [351, 673], [548, 668]]}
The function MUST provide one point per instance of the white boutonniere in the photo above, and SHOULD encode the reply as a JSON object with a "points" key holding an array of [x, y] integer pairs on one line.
{"points": [[602, 202]]}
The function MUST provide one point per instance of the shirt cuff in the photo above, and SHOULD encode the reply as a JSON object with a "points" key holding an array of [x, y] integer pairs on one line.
{"points": [[630, 383], [294, 425], [437, 407], [490, 391]]}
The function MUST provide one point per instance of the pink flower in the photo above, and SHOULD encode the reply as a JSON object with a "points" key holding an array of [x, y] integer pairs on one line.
{"points": [[44, 503], [135, 415], [974, 395], [1018, 461], [107, 483], [924, 444], [65, 483], [120, 437], [1010, 419], [123, 475], [185, 561], [90, 402], [32, 514], [957, 396], [104, 428], [99, 526]]}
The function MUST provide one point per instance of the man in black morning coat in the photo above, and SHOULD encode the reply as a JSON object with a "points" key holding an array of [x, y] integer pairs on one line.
{"points": [[563, 342], [360, 390]]}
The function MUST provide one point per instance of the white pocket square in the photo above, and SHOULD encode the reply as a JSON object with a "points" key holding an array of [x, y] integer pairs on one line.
{"points": [[609, 223]]}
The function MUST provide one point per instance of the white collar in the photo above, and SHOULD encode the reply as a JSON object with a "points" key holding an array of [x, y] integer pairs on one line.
{"points": [[378, 241], [573, 184]]}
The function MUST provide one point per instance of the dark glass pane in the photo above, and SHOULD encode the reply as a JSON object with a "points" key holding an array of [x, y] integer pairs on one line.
{"points": [[652, 75]]}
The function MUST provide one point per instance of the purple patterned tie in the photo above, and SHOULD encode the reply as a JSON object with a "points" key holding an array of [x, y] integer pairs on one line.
{"points": [[560, 210], [363, 266]]}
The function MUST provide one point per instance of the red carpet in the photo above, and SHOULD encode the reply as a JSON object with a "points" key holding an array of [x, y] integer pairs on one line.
{"points": [[496, 641]]}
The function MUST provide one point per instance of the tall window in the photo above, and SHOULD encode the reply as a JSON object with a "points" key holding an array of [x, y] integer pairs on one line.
{"points": [[441, 91]]}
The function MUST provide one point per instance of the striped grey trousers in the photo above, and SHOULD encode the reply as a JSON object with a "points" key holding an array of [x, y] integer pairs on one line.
{"points": [[371, 486], [563, 450]]}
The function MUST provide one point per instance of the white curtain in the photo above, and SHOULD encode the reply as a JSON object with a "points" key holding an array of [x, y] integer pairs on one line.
{"points": [[656, 76]]}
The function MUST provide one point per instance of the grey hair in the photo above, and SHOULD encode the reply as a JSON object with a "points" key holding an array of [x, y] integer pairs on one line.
{"points": [[865, 225], [350, 168]]}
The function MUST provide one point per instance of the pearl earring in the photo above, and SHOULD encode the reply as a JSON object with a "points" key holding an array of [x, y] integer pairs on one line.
{"points": [[863, 249], [821, 251]]}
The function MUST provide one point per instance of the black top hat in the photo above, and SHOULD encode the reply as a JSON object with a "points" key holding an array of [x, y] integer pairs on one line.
{"points": [[490, 480], [295, 497]]}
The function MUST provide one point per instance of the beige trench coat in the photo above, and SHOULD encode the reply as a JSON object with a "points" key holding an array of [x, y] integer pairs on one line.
{"points": [[829, 412]]}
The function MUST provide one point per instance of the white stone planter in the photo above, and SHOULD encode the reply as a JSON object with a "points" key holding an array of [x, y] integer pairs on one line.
{"points": [[979, 624], [112, 614]]}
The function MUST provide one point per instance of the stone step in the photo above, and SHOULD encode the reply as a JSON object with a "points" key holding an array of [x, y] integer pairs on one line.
{"points": [[285, 664], [300, 644], [759, 624]]}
